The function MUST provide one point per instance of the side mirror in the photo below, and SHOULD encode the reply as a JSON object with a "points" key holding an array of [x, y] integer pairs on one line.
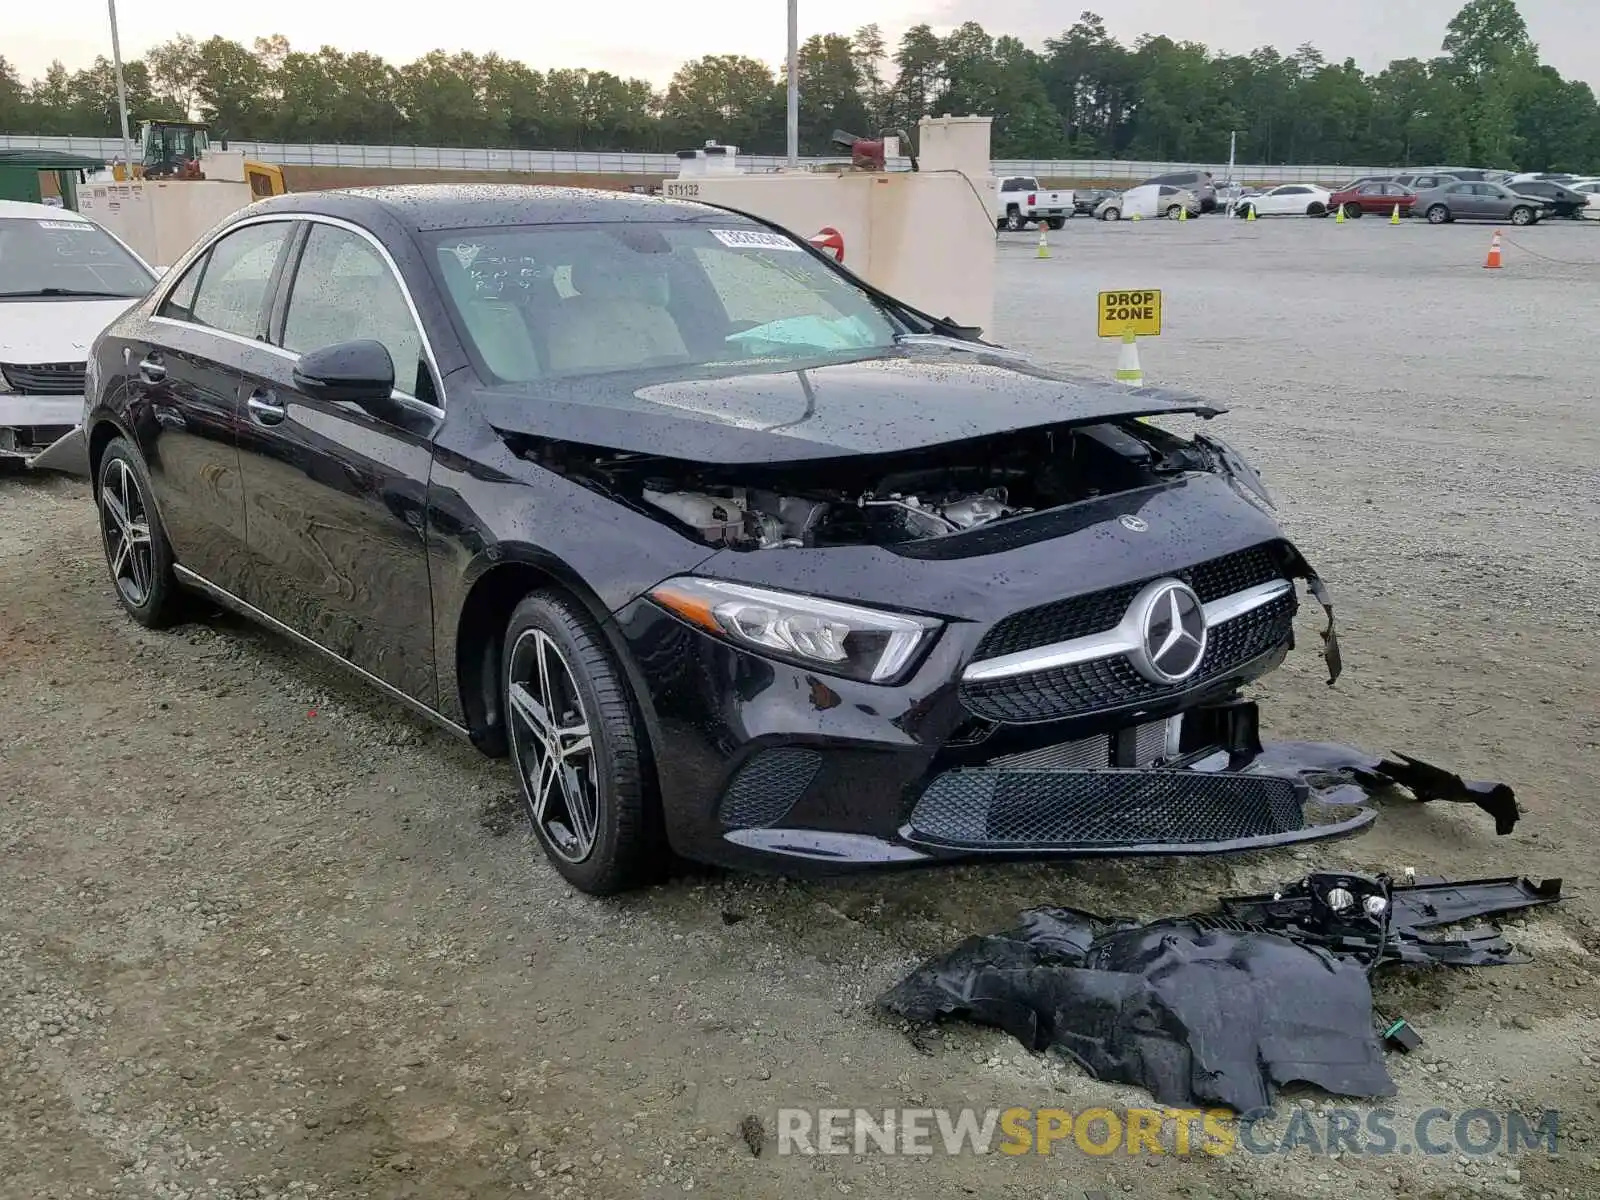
{"points": [[360, 372]]}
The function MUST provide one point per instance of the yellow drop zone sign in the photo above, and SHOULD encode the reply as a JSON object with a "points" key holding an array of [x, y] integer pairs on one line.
{"points": [[1138, 313]]}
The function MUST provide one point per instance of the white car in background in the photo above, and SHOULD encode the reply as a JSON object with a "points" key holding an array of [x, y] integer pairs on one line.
{"points": [[1287, 200], [1148, 200], [63, 279], [1590, 188]]}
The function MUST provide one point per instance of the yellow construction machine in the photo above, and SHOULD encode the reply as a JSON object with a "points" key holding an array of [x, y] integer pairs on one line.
{"points": [[178, 150]]}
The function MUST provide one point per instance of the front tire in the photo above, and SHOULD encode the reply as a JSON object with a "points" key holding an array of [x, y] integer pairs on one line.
{"points": [[1521, 215], [1438, 215], [578, 748], [1172, 213], [1112, 214], [1014, 221], [138, 554], [1352, 211]]}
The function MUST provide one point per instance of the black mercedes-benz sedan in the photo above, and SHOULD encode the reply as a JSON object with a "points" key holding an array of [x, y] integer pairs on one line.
{"points": [[735, 555]]}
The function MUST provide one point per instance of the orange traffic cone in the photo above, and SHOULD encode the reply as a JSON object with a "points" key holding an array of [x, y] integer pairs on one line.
{"points": [[1493, 261]]}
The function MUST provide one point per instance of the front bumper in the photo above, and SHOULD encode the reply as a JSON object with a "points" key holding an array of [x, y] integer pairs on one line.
{"points": [[765, 765], [33, 426]]}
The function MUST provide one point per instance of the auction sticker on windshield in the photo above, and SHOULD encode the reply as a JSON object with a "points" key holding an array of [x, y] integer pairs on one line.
{"points": [[1138, 313], [69, 225], [754, 239]]}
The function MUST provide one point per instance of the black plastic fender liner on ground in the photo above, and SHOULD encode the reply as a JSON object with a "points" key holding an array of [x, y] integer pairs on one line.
{"points": [[1195, 1015], [1220, 1008]]}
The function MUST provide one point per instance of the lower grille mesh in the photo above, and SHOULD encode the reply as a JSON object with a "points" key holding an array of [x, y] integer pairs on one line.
{"points": [[768, 786], [998, 808]]}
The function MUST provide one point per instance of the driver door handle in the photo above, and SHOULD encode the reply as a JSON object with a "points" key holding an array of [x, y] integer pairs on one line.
{"points": [[264, 408], [151, 370]]}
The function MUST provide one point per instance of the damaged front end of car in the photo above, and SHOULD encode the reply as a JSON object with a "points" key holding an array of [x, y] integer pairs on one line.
{"points": [[1030, 643]]}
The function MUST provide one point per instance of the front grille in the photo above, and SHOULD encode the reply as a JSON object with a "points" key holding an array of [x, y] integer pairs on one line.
{"points": [[1096, 612], [768, 786], [44, 379], [999, 809], [1109, 683]]}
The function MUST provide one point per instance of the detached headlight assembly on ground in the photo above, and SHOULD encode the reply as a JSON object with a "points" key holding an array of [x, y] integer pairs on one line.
{"points": [[841, 639]]}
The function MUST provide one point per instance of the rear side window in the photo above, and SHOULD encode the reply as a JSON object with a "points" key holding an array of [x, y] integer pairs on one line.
{"points": [[232, 296]]}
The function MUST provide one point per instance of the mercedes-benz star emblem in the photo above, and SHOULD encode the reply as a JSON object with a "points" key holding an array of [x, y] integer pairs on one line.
{"points": [[1136, 524], [1172, 631]]}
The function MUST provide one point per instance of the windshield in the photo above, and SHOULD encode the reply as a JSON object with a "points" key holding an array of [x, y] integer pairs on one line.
{"points": [[571, 301], [49, 258]]}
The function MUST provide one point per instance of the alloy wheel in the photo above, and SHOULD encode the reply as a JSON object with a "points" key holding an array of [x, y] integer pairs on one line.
{"points": [[125, 528], [553, 747]]}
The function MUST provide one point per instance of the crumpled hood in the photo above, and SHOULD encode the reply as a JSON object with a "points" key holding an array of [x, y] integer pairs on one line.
{"points": [[904, 400], [54, 331]]}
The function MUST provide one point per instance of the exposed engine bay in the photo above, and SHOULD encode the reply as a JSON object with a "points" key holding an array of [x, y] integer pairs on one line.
{"points": [[889, 499]]}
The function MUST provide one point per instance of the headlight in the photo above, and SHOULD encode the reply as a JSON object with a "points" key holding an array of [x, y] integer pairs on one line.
{"points": [[841, 639]]}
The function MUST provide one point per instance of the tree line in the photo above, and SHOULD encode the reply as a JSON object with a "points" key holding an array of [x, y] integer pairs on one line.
{"points": [[1484, 100]]}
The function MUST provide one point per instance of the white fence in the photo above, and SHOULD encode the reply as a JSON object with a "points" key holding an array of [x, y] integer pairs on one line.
{"points": [[582, 162]]}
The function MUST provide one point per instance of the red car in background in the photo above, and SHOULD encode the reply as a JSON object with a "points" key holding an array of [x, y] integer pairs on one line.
{"points": [[1372, 197]]}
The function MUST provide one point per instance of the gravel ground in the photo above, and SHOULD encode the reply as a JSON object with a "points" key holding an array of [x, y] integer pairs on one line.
{"points": [[264, 935]]}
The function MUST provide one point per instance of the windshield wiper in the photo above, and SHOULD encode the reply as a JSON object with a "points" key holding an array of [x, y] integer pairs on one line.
{"points": [[58, 291]]}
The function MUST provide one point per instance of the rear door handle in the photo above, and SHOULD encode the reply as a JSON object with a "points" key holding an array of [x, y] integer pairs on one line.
{"points": [[151, 370], [264, 408]]}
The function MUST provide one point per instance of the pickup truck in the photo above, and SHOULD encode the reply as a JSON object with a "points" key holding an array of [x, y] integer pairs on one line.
{"points": [[1022, 202]]}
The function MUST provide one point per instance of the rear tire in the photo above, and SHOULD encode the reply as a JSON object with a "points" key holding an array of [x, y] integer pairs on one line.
{"points": [[1057, 222], [1316, 209], [1438, 214], [138, 554], [579, 748], [1521, 215]]}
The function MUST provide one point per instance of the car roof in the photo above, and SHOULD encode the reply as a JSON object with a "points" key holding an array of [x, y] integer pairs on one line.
{"points": [[41, 212], [436, 206]]}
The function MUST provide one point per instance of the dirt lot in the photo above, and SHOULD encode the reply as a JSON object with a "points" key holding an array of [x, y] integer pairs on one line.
{"points": [[264, 935]]}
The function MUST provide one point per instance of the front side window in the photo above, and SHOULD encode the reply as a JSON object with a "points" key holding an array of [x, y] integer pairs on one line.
{"points": [[564, 301], [344, 291], [44, 257], [232, 295]]}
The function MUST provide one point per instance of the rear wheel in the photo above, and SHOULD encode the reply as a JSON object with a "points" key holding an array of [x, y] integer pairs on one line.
{"points": [[1438, 214], [1316, 209], [137, 551], [1352, 211], [1057, 222], [1521, 215], [578, 747]]}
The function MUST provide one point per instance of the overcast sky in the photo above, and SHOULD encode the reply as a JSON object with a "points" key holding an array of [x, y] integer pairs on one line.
{"points": [[650, 38]]}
